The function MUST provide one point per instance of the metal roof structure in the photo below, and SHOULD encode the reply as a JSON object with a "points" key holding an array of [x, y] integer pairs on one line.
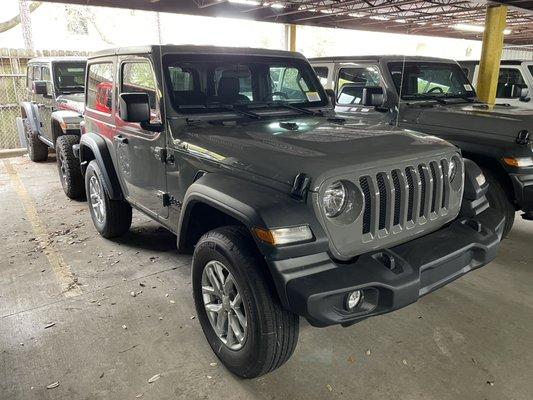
{"points": [[447, 18]]}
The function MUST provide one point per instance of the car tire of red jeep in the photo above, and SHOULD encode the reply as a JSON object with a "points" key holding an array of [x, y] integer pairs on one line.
{"points": [[499, 200], [270, 333], [37, 150], [111, 218], [68, 167]]}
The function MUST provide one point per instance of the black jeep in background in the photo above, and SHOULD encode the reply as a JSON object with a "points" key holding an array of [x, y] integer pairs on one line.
{"points": [[52, 112], [434, 96], [291, 211]]}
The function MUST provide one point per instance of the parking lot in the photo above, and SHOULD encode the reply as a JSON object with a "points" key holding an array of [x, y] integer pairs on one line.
{"points": [[103, 317]]}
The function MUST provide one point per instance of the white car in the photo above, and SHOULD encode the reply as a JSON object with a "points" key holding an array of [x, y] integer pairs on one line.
{"points": [[515, 83]]}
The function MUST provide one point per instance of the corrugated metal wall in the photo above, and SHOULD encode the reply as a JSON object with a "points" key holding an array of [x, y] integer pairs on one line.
{"points": [[518, 53]]}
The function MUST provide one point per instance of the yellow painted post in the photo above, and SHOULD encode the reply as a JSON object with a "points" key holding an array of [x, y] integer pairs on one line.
{"points": [[491, 53], [292, 37]]}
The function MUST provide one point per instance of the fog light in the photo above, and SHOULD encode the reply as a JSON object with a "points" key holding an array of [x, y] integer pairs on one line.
{"points": [[353, 299]]}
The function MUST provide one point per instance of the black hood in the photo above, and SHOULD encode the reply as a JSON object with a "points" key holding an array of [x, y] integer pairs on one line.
{"points": [[499, 120], [312, 145]]}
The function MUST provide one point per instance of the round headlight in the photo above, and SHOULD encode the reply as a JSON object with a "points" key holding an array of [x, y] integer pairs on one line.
{"points": [[334, 200], [452, 169]]}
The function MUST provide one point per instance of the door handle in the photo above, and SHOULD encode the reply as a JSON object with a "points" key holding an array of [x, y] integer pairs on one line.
{"points": [[121, 139]]}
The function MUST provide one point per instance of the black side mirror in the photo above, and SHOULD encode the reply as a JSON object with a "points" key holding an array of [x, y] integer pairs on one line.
{"points": [[331, 95], [40, 87], [373, 96], [524, 94], [134, 107]]}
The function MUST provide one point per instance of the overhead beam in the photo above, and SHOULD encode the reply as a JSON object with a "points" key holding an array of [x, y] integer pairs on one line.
{"points": [[491, 53]]}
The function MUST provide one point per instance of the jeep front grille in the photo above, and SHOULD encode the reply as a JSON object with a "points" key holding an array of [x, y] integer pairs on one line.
{"points": [[404, 198]]}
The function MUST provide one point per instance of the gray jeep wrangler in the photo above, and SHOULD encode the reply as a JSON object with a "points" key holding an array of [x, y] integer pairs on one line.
{"points": [[437, 98], [51, 115], [291, 211]]}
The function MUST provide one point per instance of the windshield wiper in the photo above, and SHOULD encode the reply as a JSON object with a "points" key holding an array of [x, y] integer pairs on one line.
{"points": [[461, 96], [293, 107], [228, 107], [423, 96], [231, 107]]}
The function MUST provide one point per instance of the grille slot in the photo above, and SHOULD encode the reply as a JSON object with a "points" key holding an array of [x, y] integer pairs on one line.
{"points": [[411, 186], [382, 201], [397, 197], [422, 190], [365, 188], [434, 197], [402, 198]]}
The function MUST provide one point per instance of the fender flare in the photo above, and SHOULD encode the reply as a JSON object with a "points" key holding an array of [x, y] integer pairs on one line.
{"points": [[32, 116], [91, 143], [62, 117], [254, 205]]}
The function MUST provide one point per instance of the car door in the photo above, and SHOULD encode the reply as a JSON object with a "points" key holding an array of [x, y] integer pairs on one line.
{"points": [[140, 153], [47, 103]]}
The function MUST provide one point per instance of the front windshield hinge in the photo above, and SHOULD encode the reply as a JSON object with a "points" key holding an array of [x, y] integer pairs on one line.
{"points": [[523, 137], [300, 186]]}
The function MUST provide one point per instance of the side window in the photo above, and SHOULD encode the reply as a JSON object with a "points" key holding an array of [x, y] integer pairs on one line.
{"points": [[138, 77], [100, 87], [530, 67], [36, 73], [322, 73], [353, 80], [45, 74], [510, 83], [29, 76]]}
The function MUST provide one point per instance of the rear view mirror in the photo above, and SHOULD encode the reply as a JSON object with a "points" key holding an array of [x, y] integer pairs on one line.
{"points": [[40, 87], [134, 107], [373, 96]]}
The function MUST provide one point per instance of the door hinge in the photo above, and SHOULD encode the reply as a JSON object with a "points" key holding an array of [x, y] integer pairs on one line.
{"points": [[169, 200], [162, 155]]}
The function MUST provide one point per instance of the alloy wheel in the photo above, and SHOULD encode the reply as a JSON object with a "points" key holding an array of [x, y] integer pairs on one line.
{"points": [[96, 199], [223, 305], [62, 167]]}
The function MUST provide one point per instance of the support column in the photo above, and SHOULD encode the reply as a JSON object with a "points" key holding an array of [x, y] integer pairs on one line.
{"points": [[491, 53], [292, 37]]}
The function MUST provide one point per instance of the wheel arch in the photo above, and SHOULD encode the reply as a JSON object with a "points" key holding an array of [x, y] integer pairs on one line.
{"points": [[93, 147], [495, 167], [62, 117], [29, 112]]}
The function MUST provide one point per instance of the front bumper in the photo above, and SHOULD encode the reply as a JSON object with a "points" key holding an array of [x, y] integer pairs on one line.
{"points": [[316, 287], [523, 188]]}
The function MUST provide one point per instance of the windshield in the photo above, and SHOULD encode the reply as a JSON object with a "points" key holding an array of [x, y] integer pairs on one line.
{"points": [[217, 83], [70, 77], [430, 79]]}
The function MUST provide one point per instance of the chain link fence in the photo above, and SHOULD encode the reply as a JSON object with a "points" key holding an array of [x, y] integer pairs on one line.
{"points": [[13, 89]]}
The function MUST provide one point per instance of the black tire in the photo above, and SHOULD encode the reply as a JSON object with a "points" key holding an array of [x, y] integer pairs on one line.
{"points": [[271, 331], [68, 167], [115, 220], [37, 150], [499, 200]]}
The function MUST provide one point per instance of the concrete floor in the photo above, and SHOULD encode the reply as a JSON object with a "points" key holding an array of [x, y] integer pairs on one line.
{"points": [[470, 340]]}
